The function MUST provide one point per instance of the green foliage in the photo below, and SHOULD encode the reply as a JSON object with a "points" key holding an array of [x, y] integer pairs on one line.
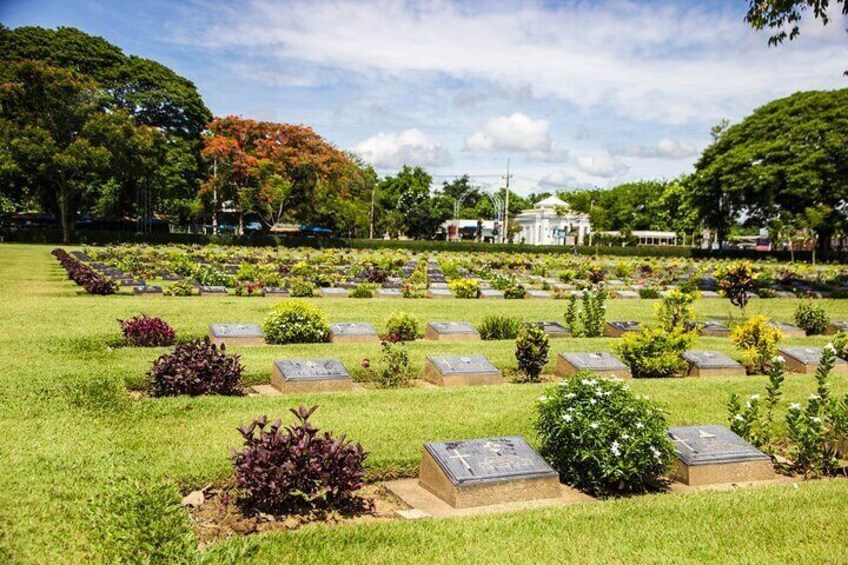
{"points": [[393, 369], [364, 290], [180, 288], [465, 288], [655, 353], [404, 326], [296, 321], [675, 311], [755, 422], [737, 282], [601, 437], [758, 341], [587, 320], [301, 288], [649, 293], [840, 344], [499, 326], [811, 318], [531, 352]]}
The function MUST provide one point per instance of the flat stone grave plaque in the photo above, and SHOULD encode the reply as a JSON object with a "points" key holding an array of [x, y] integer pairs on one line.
{"points": [[389, 293], [437, 285], [538, 294], [440, 293], [617, 328], [553, 329], [132, 282], [807, 360], [710, 328], [836, 327], [491, 294], [147, 290], [482, 472], [310, 375], [451, 370], [712, 364], [81, 256], [213, 290], [571, 363], [241, 334], [332, 292], [615, 282], [715, 455], [353, 332], [451, 331], [710, 294], [172, 277], [628, 294], [275, 291], [788, 330]]}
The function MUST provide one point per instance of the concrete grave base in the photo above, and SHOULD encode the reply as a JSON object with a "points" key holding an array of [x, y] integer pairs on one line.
{"points": [[720, 473], [615, 331], [236, 341], [434, 376], [336, 338], [564, 368], [431, 333], [795, 366], [425, 504], [695, 371], [433, 479], [323, 385]]}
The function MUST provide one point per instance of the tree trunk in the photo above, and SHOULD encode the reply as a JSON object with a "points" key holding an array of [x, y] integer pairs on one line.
{"points": [[63, 214]]}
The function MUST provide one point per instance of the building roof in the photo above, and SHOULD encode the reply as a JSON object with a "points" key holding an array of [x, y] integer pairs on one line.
{"points": [[551, 202]]}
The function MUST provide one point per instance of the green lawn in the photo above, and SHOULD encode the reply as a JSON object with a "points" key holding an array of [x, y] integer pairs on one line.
{"points": [[89, 475]]}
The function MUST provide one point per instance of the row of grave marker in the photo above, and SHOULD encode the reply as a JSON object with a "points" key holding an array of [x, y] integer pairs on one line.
{"points": [[502, 470]]}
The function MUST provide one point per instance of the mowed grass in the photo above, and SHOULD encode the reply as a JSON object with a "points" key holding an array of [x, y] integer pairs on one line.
{"points": [[79, 457]]}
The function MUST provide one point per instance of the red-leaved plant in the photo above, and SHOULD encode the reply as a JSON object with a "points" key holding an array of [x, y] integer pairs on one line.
{"points": [[296, 469], [147, 331], [86, 277], [196, 368]]}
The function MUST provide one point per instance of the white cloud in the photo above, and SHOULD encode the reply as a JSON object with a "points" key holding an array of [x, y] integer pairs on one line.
{"points": [[604, 166], [673, 63], [666, 148], [409, 147], [562, 180], [517, 133]]}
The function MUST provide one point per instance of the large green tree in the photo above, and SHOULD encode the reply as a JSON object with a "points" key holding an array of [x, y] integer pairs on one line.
{"points": [[409, 206], [788, 157]]}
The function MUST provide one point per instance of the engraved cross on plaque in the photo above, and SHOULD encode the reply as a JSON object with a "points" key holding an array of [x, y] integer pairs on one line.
{"points": [[682, 441], [461, 457]]}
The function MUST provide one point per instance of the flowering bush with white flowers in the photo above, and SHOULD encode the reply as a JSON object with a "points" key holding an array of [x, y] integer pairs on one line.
{"points": [[601, 437], [296, 321]]}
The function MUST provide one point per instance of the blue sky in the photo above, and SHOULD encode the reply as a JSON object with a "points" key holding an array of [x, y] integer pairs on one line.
{"points": [[575, 94]]}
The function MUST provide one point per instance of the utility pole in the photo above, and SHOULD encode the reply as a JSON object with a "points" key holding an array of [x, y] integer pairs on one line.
{"points": [[214, 197], [505, 237], [371, 227]]}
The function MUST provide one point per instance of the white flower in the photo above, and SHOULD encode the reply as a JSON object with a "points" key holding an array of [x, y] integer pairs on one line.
{"points": [[779, 360], [569, 395], [585, 381], [594, 425], [815, 419], [639, 425], [625, 436], [795, 406], [830, 348], [615, 448], [563, 383], [592, 401], [739, 417], [755, 397], [656, 452], [747, 405], [543, 398], [567, 417], [814, 396], [599, 391]]}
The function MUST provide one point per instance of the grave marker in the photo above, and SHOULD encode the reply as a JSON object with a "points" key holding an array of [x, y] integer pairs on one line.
{"points": [[571, 363], [627, 294], [807, 360], [712, 364], [389, 293], [836, 327], [617, 328], [332, 292], [710, 328], [441, 293], [491, 294], [714, 455], [554, 330], [236, 334], [451, 370], [451, 331], [482, 472], [538, 294], [310, 375], [145, 290], [275, 292], [788, 330], [212, 290], [353, 332]]}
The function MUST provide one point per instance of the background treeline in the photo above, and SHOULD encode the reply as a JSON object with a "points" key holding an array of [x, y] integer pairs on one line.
{"points": [[86, 130]]}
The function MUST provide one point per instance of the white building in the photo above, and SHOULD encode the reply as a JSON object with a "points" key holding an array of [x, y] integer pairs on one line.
{"points": [[551, 222], [466, 229], [649, 237]]}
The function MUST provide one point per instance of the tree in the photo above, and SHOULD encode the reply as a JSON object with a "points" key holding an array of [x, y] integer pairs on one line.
{"points": [[787, 156], [408, 205], [780, 15], [50, 112]]}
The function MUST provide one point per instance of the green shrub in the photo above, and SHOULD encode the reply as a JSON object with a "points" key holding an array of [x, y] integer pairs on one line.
{"points": [[649, 293], [393, 370], [181, 288], [364, 290], [295, 321], [566, 276], [654, 353], [758, 342], [840, 344], [675, 311], [811, 317], [754, 421], [587, 319], [499, 326], [531, 352], [210, 276], [514, 291], [404, 326], [465, 288], [737, 282], [601, 437], [301, 288]]}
